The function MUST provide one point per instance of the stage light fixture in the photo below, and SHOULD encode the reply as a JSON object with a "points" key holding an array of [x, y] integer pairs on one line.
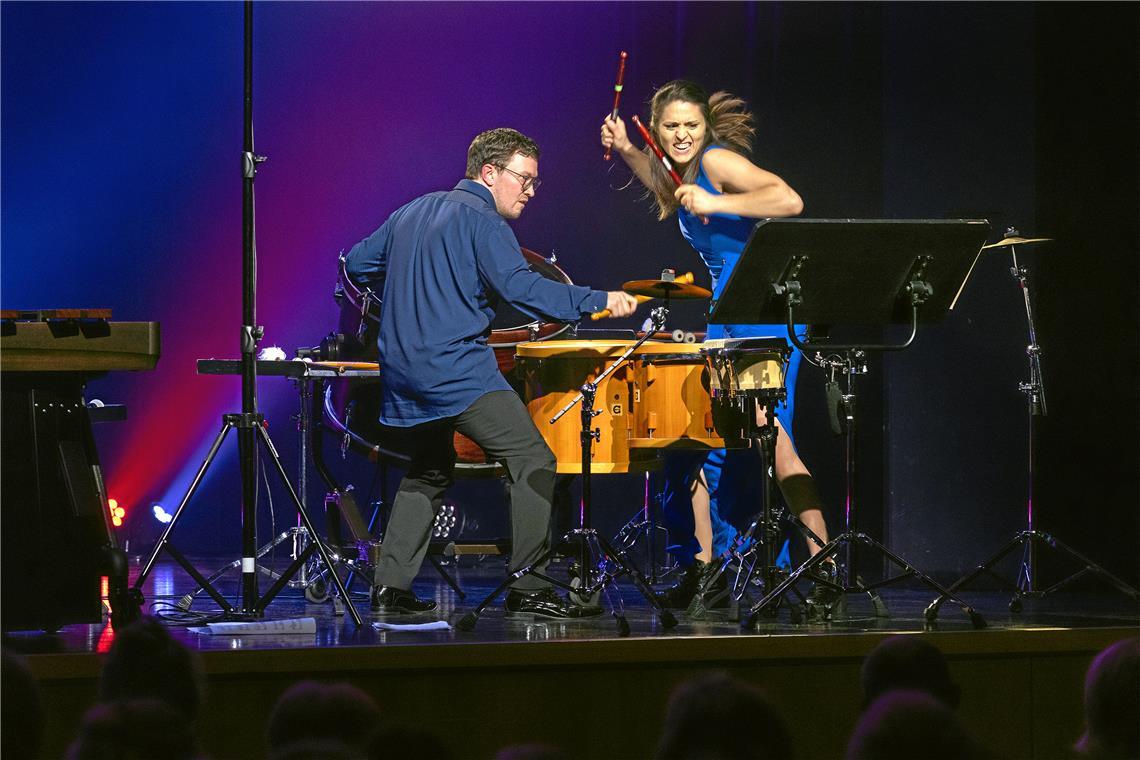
{"points": [[161, 514], [447, 521], [117, 513]]}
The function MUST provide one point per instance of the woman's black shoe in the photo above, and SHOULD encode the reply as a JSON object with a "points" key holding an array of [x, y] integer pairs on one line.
{"points": [[545, 603], [678, 596], [712, 592], [389, 600], [824, 601]]}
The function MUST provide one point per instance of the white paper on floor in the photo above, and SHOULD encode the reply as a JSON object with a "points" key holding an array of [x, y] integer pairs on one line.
{"points": [[435, 625], [277, 627]]}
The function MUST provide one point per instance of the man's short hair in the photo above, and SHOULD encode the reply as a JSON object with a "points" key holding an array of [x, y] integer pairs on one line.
{"points": [[497, 147]]}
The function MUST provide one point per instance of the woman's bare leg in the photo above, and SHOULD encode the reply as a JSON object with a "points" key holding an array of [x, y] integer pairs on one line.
{"points": [[800, 496], [702, 518]]}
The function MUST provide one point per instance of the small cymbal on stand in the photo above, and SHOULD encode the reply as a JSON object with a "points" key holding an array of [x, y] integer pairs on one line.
{"points": [[665, 289], [1015, 240]]}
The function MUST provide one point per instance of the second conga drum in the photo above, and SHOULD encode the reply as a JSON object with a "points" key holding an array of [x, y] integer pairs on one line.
{"points": [[552, 373], [672, 404]]}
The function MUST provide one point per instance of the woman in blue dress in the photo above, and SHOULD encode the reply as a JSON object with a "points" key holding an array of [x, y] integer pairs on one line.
{"points": [[707, 139]]}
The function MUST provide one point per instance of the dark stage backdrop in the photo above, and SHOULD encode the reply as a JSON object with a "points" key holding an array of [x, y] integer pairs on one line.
{"points": [[121, 137]]}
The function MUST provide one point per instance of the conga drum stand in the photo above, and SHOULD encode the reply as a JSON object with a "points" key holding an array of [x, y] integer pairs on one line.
{"points": [[598, 564], [1026, 583]]}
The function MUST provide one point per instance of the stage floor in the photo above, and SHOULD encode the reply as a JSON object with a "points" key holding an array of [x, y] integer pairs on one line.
{"points": [[581, 685], [1090, 608]]}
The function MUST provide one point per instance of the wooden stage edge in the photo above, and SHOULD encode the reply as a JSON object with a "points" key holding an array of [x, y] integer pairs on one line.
{"points": [[692, 651], [604, 697]]}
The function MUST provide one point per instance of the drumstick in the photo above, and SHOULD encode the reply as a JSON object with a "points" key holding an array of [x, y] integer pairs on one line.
{"points": [[657, 151], [617, 96], [685, 279]]}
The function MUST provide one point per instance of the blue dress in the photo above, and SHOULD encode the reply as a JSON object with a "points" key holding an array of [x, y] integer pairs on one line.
{"points": [[732, 477]]}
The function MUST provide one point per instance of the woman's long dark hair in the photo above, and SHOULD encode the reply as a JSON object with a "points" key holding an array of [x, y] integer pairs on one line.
{"points": [[730, 125]]}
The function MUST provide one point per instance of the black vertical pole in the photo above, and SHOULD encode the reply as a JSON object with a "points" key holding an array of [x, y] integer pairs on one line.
{"points": [[851, 516], [247, 441], [589, 389]]}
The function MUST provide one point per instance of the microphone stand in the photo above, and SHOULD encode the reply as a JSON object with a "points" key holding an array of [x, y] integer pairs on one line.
{"points": [[250, 423]]}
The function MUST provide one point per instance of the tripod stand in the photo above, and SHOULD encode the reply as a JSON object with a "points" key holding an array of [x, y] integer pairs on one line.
{"points": [[760, 539], [1026, 584], [592, 546], [869, 272], [249, 423]]}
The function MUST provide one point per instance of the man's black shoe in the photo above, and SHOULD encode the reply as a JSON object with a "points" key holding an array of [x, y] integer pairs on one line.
{"points": [[545, 603], [389, 600]]}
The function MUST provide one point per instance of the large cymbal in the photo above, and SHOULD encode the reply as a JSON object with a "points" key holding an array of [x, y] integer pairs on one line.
{"points": [[665, 289], [1015, 240]]}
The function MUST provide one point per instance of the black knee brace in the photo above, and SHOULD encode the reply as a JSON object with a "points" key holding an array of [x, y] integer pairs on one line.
{"points": [[800, 493]]}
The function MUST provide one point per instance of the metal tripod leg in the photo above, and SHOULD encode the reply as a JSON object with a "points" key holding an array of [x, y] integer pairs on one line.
{"points": [[668, 620], [439, 568], [188, 600], [468, 621], [847, 540], [308, 526], [1025, 585], [587, 590], [164, 540]]}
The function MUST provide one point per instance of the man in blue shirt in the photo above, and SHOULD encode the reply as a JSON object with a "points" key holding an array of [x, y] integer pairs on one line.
{"points": [[440, 265]]}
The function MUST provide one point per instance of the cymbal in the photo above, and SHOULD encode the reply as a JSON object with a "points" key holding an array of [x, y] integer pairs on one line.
{"points": [[1015, 240], [665, 289]]}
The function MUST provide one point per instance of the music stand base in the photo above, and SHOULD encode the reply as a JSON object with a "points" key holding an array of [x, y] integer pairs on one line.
{"points": [[846, 540], [1025, 586]]}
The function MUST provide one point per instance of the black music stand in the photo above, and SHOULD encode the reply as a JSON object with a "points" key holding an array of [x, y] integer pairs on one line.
{"points": [[850, 272]]}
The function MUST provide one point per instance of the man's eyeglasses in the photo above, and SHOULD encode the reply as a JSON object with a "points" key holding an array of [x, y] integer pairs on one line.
{"points": [[526, 180]]}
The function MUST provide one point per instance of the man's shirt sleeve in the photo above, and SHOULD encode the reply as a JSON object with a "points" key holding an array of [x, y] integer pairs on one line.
{"points": [[367, 261], [504, 270]]}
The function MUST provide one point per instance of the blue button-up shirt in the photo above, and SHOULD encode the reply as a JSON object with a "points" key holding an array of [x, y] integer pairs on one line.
{"points": [[441, 265]]}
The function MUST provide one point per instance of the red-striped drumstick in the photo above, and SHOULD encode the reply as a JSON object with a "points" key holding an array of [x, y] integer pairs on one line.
{"points": [[657, 151], [617, 94]]}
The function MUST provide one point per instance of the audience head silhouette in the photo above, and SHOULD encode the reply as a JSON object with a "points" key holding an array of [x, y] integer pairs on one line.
{"points": [[1112, 703], [532, 751], [21, 722], [903, 725], [135, 730], [311, 712], [698, 706], [146, 662], [907, 662]]}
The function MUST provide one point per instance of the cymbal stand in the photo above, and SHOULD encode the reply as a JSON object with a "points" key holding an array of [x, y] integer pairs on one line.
{"points": [[598, 564], [1026, 584]]}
